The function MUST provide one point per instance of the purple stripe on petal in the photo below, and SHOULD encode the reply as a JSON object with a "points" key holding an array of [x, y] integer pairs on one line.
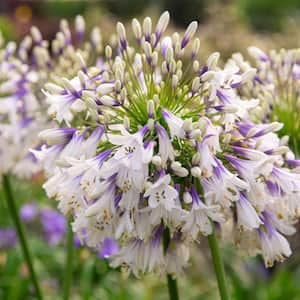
{"points": [[293, 162], [223, 97], [156, 240], [195, 196], [118, 199]]}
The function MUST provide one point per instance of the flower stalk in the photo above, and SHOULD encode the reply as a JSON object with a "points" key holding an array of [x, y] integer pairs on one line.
{"points": [[21, 234], [172, 287], [172, 282], [69, 263], [218, 265]]}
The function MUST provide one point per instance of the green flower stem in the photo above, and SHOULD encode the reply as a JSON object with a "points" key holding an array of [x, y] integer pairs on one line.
{"points": [[218, 265], [172, 283], [21, 234], [69, 263], [172, 287]]}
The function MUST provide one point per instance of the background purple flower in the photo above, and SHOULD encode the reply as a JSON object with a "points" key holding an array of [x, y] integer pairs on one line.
{"points": [[8, 238], [29, 212], [54, 225], [109, 248]]}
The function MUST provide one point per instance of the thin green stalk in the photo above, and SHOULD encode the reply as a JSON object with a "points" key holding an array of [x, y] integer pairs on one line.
{"points": [[69, 263], [86, 279], [172, 283], [172, 287], [218, 265], [21, 234]]}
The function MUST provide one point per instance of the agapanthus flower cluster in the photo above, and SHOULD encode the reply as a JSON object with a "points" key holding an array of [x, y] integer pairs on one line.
{"points": [[277, 85], [162, 149], [25, 68], [18, 127]]}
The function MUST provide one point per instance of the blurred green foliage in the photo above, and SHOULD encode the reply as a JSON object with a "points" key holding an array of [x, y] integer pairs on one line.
{"points": [[126, 9], [7, 28], [267, 14], [63, 9], [184, 11]]}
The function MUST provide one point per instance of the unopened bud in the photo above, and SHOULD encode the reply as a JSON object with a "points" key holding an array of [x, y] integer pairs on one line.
{"points": [[126, 122], [189, 33], [162, 24], [79, 26], [195, 47], [53, 88], [147, 28], [188, 125], [187, 197], [122, 35], [196, 172], [150, 108], [212, 60], [105, 88], [68, 85], [196, 159], [150, 123], [108, 52], [36, 34], [175, 165], [156, 160], [136, 28], [181, 172]]}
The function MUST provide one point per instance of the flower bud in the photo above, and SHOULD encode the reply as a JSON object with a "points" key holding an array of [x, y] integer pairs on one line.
{"points": [[136, 28], [212, 60], [187, 198], [150, 108], [162, 24], [147, 28], [196, 172], [189, 33], [156, 160]]}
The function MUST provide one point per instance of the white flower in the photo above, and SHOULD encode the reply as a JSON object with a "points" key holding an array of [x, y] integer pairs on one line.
{"points": [[166, 150], [104, 204], [200, 217], [274, 247], [223, 187], [175, 124], [246, 214], [57, 135], [161, 193]]}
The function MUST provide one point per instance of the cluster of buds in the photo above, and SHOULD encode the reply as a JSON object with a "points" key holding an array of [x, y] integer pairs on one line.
{"points": [[25, 68], [277, 85], [160, 148]]}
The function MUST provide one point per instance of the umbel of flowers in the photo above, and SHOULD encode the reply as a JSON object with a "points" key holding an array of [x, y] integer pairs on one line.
{"points": [[161, 148], [277, 85], [24, 69]]}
